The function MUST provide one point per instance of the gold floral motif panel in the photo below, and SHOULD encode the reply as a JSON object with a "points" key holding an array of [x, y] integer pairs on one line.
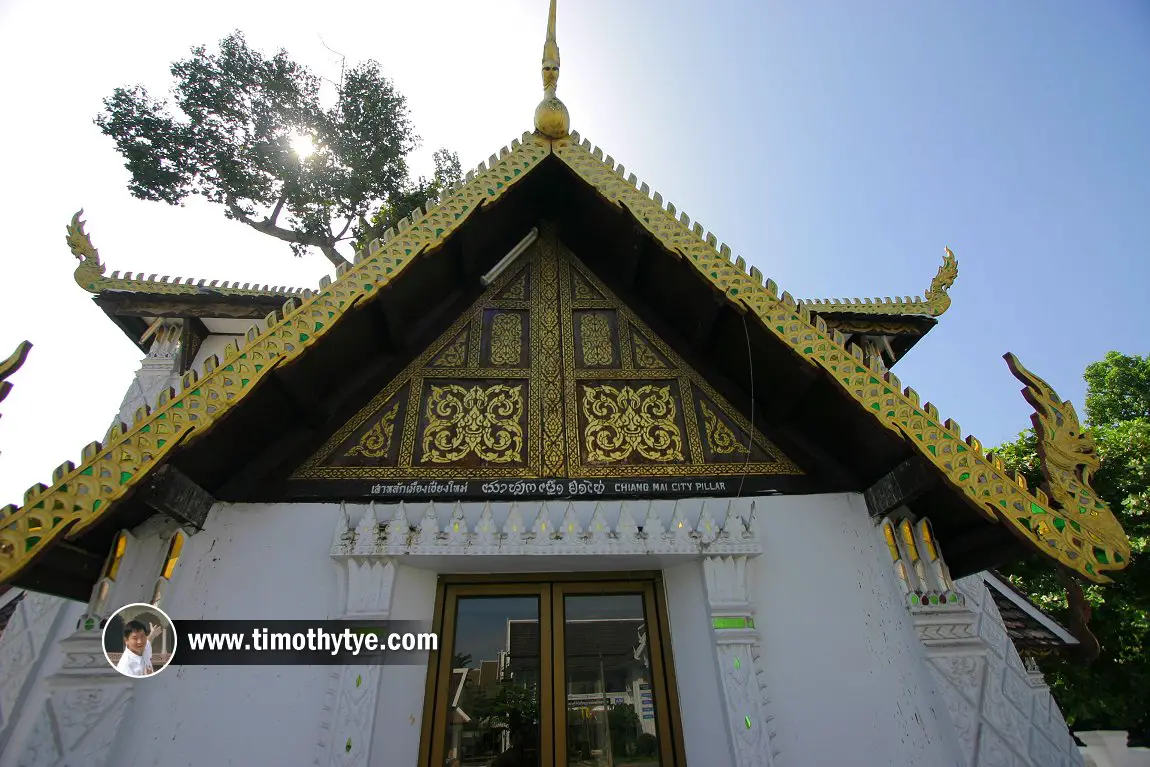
{"points": [[582, 290], [484, 422], [645, 357], [376, 443], [621, 422], [506, 339], [596, 340], [720, 439], [518, 289], [454, 354], [548, 376]]}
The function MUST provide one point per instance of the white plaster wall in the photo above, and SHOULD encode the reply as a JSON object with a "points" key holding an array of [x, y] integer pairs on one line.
{"points": [[701, 702], [213, 344], [251, 562], [845, 671], [1003, 720], [1108, 748], [26, 659], [399, 715]]}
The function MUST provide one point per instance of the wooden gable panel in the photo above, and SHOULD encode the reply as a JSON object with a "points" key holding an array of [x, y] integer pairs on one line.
{"points": [[548, 385]]}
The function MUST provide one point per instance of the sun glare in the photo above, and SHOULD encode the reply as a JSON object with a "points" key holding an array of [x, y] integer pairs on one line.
{"points": [[303, 145]]}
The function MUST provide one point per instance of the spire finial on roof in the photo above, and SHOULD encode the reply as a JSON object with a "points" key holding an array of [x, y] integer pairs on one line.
{"points": [[551, 118]]}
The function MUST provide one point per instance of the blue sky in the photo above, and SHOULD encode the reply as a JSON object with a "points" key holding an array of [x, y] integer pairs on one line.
{"points": [[838, 146]]}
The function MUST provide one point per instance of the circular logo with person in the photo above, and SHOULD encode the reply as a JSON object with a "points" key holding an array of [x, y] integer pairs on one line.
{"points": [[139, 640]]}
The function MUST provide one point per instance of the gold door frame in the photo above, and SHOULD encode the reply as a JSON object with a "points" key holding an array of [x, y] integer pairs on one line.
{"points": [[550, 588], [439, 665]]}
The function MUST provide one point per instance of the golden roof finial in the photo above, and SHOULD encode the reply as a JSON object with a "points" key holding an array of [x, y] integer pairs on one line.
{"points": [[551, 118], [90, 271]]}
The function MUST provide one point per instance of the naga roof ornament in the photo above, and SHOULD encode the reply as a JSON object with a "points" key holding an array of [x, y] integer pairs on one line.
{"points": [[933, 303], [551, 117], [90, 274], [1069, 458]]}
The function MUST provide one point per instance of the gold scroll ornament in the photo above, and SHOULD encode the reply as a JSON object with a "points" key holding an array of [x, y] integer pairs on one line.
{"points": [[482, 421], [622, 421], [596, 333]]}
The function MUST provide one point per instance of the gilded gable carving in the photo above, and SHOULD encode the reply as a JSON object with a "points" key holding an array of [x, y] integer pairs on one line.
{"points": [[720, 438], [517, 290], [454, 355], [595, 340], [507, 339], [547, 376], [645, 357], [622, 420], [376, 443], [481, 421], [582, 290]]}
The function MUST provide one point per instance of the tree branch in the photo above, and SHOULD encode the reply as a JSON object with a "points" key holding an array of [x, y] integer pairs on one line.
{"points": [[343, 231], [276, 210], [327, 247]]}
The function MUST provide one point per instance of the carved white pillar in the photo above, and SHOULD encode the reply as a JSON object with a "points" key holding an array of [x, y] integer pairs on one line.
{"points": [[86, 703], [350, 705], [736, 643]]}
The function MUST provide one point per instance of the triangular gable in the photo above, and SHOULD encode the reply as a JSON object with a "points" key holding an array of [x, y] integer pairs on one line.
{"points": [[1080, 532], [547, 376]]}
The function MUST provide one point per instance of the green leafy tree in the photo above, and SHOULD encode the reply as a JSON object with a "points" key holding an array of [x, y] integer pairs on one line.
{"points": [[1111, 692], [253, 135]]}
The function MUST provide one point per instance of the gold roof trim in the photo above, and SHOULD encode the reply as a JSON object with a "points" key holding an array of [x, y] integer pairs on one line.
{"points": [[933, 304], [1088, 540], [90, 275], [80, 496]]}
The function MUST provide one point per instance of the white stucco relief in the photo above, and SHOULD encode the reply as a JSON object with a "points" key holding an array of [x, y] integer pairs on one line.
{"points": [[548, 528], [157, 371], [1001, 709], [348, 716], [529, 536], [736, 647], [83, 710], [21, 646]]}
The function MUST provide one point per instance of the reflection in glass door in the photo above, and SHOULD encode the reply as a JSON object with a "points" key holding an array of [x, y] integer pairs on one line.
{"points": [[490, 684], [552, 674], [608, 693]]}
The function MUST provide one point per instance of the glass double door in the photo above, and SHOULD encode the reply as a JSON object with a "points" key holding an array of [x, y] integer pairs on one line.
{"points": [[552, 674]]}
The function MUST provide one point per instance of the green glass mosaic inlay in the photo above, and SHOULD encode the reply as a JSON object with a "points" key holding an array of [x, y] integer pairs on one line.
{"points": [[732, 623]]}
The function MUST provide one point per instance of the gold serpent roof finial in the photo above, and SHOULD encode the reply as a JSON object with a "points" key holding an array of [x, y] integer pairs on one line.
{"points": [[551, 117], [936, 295], [90, 271], [1069, 459]]}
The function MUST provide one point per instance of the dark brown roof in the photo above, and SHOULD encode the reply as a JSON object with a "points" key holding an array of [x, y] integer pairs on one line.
{"points": [[1028, 626]]}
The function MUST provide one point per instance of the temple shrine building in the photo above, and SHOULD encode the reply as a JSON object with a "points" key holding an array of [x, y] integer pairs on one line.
{"points": [[659, 511]]}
